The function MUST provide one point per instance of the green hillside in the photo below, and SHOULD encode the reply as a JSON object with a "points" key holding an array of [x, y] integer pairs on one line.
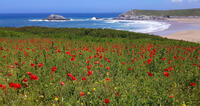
{"points": [[181, 12]]}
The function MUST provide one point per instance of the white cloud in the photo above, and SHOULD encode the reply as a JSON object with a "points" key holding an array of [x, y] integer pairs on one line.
{"points": [[177, 1]]}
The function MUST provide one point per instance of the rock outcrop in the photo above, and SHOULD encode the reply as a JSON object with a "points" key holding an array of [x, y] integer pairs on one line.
{"points": [[139, 17], [56, 17]]}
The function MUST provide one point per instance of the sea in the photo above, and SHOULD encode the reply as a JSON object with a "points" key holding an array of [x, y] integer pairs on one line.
{"points": [[82, 20]]}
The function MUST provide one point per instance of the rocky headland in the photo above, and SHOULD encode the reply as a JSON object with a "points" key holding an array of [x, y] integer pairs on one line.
{"points": [[159, 14]]}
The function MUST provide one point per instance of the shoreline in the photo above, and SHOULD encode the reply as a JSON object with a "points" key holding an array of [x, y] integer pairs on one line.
{"points": [[182, 30]]}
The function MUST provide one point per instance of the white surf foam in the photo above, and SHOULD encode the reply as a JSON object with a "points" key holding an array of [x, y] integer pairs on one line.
{"points": [[140, 26], [93, 18], [128, 25], [41, 20]]}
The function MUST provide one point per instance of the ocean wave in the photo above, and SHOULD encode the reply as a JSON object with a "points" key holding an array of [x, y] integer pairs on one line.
{"points": [[128, 25], [154, 27], [41, 20]]}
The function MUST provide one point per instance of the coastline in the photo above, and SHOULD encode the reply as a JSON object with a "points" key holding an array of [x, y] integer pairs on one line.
{"points": [[180, 29]]}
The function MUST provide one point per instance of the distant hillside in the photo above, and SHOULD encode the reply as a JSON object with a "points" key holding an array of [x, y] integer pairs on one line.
{"points": [[182, 12]]}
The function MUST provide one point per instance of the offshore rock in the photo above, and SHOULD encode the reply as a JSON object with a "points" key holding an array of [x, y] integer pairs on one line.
{"points": [[56, 17]]}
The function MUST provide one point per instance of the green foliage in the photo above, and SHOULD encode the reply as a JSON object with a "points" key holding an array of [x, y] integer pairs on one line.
{"points": [[183, 12]]}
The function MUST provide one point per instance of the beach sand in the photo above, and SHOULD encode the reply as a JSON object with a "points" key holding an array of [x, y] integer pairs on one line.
{"points": [[195, 21], [187, 29], [186, 35]]}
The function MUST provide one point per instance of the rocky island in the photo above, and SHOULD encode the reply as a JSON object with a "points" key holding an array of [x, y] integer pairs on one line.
{"points": [[55, 17], [159, 14]]}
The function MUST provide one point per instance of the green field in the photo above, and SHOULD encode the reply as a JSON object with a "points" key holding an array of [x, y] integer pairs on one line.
{"points": [[70, 66]]}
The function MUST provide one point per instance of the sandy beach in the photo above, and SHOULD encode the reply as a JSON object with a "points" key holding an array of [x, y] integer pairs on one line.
{"points": [[187, 29], [187, 35], [194, 21]]}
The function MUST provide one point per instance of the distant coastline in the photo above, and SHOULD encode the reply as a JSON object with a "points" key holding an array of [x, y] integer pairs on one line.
{"points": [[159, 14], [185, 23]]}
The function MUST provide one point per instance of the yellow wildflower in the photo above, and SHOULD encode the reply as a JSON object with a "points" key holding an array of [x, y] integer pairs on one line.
{"points": [[107, 74], [56, 98], [41, 96], [53, 104], [184, 104], [88, 93]]}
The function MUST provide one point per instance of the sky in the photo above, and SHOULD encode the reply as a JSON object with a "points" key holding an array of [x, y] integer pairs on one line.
{"points": [[92, 6]]}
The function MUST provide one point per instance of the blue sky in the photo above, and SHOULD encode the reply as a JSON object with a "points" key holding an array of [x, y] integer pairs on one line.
{"points": [[91, 6]]}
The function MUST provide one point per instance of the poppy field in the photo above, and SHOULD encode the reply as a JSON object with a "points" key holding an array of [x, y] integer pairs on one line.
{"points": [[97, 70]]}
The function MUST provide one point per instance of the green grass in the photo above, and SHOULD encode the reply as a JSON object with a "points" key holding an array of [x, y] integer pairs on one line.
{"points": [[131, 55]]}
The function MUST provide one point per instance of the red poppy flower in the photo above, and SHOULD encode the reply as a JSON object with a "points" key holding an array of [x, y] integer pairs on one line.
{"points": [[171, 96], [149, 61], [73, 78], [107, 100], [9, 74], [192, 84], [70, 75], [163, 59], [33, 77], [3, 87], [97, 62], [29, 73], [166, 69], [72, 59], [24, 80], [12, 66], [84, 78], [61, 83], [82, 94], [15, 85], [195, 64], [88, 67], [32, 65], [150, 74], [107, 79], [166, 74], [171, 69], [67, 52], [108, 68], [16, 63], [40, 65], [53, 68], [90, 72]]}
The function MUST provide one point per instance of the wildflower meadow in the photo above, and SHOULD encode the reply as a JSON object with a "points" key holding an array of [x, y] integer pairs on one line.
{"points": [[38, 68]]}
